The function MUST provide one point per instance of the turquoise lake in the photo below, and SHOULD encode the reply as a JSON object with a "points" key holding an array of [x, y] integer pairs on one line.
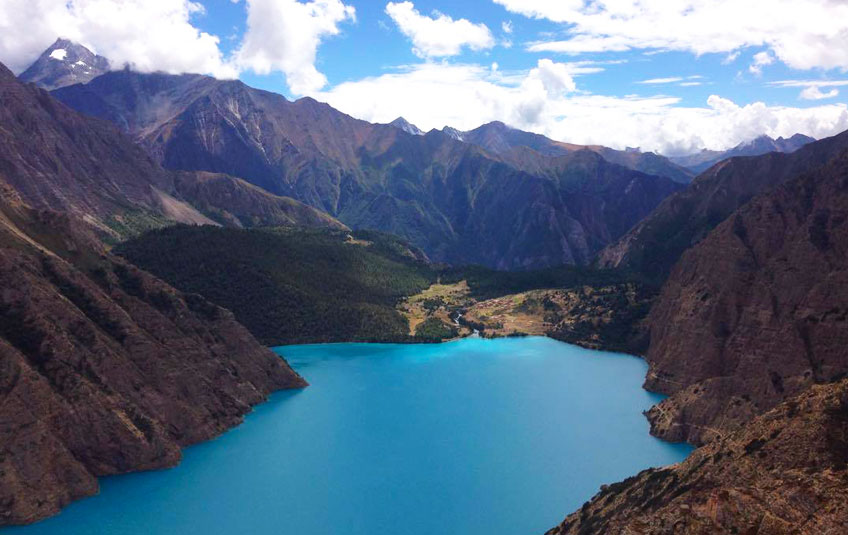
{"points": [[494, 437]]}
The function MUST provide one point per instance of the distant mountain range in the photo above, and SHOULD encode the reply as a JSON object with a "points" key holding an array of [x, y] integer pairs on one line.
{"points": [[498, 138], [705, 159], [458, 201]]}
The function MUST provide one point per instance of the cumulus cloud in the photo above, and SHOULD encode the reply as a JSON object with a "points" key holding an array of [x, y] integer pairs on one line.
{"points": [[814, 93], [761, 59], [546, 100], [812, 88], [284, 35], [804, 35], [147, 34], [440, 35]]}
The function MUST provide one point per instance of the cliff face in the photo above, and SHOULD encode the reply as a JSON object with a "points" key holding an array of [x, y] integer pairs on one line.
{"points": [[756, 312], [784, 473], [105, 369], [683, 219]]}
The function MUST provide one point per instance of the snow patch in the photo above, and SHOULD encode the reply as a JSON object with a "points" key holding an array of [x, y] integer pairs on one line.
{"points": [[59, 54]]}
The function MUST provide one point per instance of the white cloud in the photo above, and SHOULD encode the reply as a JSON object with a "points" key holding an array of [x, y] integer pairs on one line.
{"points": [[148, 34], [654, 81], [812, 88], [761, 59], [804, 35], [284, 35], [441, 35], [506, 26], [544, 100], [731, 57], [814, 93]]}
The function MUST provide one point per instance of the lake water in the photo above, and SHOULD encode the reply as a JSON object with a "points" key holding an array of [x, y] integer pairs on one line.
{"points": [[494, 437]]}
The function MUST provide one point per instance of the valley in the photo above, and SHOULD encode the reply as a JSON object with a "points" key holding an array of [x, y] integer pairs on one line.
{"points": [[473, 295]]}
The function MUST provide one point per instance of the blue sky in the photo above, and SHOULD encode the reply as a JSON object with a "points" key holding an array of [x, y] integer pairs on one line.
{"points": [[373, 44], [720, 71]]}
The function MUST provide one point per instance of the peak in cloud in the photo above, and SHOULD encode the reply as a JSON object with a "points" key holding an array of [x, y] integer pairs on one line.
{"points": [[150, 35], [146, 34], [440, 35]]}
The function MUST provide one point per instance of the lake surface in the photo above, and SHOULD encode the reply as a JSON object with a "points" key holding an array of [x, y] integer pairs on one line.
{"points": [[494, 437]]}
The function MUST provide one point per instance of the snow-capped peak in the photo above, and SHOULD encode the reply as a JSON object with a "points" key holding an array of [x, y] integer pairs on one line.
{"points": [[59, 54]]}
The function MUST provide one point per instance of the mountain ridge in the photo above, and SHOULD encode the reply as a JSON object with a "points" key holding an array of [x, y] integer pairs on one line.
{"points": [[442, 195], [703, 160]]}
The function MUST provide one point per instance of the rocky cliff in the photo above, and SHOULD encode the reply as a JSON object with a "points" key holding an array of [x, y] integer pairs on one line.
{"points": [[785, 473], [756, 312], [105, 369]]}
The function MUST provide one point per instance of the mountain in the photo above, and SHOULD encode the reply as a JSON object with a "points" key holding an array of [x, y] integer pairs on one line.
{"points": [[783, 473], [65, 63], [498, 138], [58, 159], [106, 369], [457, 201], [754, 313], [406, 126], [682, 220], [453, 133], [705, 159]]}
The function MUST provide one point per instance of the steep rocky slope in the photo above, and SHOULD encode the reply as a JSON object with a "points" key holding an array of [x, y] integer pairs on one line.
{"points": [[756, 312], [106, 369], [59, 159], [65, 63], [457, 201], [682, 220], [784, 473]]}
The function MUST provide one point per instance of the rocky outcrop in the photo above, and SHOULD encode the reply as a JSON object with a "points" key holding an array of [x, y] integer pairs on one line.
{"points": [[683, 219], [756, 312], [105, 369], [785, 473]]}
